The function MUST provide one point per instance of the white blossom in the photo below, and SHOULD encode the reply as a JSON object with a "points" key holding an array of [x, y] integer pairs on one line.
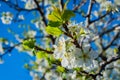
{"points": [[96, 13], [108, 6], [6, 17], [52, 76], [117, 2], [31, 33], [21, 17], [60, 49], [100, 1], [34, 75], [85, 58], [68, 61], [42, 65], [30, 4], [1, 49]]}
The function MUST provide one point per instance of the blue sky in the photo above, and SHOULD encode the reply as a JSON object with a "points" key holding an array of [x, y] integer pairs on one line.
{"points": [[13, 66]]}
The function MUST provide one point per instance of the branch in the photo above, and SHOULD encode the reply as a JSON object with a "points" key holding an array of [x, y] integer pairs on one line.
{"points": [[16, 7], [9, 49], [105, 32], [110, 44], [41, 49], [102, 67], [89, 13], [44, 19], [41, 12], [99, 18], [62, 3], [67, 33], [79, 5]]}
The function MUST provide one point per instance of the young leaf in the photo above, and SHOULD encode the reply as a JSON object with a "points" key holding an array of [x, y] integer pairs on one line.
{"points": [[82, 32], [56, 11], [55, 31], [116, 50], [3, 40], [54, 24], [55, 15], [28, 44], [60, 69], [67, 14], [41, 54]]}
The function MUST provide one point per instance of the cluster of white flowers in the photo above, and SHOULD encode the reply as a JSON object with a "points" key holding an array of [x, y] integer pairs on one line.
{"points": [[111, 72], [107, 5], [6, 17], [42, 66], [117, 2], [31, 33], [30, 4], [71, 56], [52, 76]]}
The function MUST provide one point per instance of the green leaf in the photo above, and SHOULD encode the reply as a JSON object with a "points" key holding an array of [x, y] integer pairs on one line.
{"points": [[108, 8], [28, 44], [3, 40], [56, 11], [54, 24], [67, 14], [55, 31], [65, 5], [60, 69], [55, 15], [41, 54], [116, 50], [82, 31], [27, 66], [35, 66]]}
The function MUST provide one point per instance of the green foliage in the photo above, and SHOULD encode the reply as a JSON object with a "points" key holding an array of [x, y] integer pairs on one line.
{"points": [[57, 17], [41, 54], [31, 67], [82, 31], [60, 16], [26, 66], [3, 40], [28, 44], [109, 8], [54, 24], [67, 14], [55, 31], [60, 69], [35, 66], [51, 60], [116, 50]]}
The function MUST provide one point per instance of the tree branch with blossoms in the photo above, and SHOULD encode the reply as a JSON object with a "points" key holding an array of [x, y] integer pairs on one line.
{"points": [[71, 46]]}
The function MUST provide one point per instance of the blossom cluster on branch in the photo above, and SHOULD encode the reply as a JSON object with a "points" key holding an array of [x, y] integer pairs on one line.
{"points": [[69, 39]]}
